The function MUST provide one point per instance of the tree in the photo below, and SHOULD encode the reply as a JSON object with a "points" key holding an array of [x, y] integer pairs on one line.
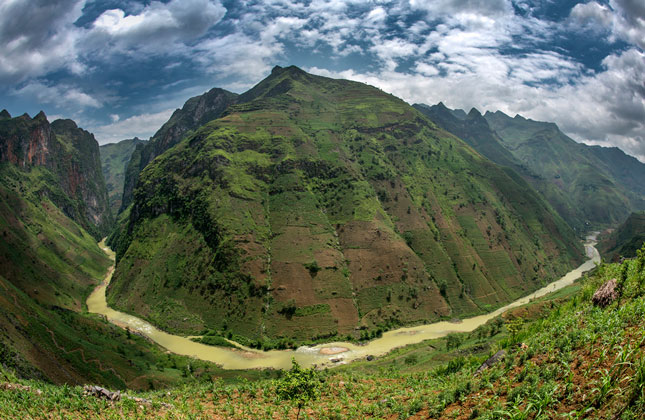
{"points": [[299, 386], [514, 327]]}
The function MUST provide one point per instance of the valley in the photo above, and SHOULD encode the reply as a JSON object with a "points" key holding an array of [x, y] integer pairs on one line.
{"points": [[322, 209], [319, 355]]}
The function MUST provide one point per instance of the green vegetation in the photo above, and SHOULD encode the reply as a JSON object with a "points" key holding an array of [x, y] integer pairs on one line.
{"points": [[298, 386], [196, 112], [315, 206], [589, 186], [567, 359], [626, 240], [115, 158]]}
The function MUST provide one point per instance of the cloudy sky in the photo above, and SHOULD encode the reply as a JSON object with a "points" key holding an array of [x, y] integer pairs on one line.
{"points": [[119, 68]]}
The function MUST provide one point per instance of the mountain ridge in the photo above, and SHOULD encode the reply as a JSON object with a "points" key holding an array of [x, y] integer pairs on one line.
{"points": [[589, 186]]}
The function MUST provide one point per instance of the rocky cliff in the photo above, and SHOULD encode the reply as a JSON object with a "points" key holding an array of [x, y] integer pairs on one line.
{"points": [[196, 112], [74, 181]]}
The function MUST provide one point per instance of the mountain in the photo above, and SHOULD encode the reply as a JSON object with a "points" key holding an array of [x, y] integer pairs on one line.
{"points": [[196, 112], [313, 207], [52, 194], [115, 158], [625, 240], [67, 157], [604, 183], [589, 186]]}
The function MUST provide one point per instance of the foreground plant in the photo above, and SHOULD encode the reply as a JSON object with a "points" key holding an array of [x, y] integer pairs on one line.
{"points": [[299, 386]]}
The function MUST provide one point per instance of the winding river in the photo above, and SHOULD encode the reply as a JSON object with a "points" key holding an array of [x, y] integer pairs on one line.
{"points": [[321, 354]]}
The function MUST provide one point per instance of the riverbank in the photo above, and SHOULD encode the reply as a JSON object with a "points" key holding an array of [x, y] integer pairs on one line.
{"points": [[322, 354]]}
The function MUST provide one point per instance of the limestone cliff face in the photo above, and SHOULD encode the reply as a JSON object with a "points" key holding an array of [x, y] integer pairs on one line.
{"points": [[71, 155], [196, 112]]}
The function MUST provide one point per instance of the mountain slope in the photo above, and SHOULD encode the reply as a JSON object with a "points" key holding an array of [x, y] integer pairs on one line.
{"points": [[625, 240], [589, 186], [196, 112], [115, 158], [49, 263], [319, 206], [68, 157], [605, 185]]}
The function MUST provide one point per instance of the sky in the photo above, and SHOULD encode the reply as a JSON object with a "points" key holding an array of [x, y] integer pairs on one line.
{"points": [[120, 68]]}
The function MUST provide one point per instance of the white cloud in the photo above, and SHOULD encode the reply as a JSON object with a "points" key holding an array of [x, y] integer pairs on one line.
{"points": [[142, 126], [452, 7], [156, 26], [592, 15], [248, 58], [37, 37], [624, 18], [58, 94], [607, 108]]}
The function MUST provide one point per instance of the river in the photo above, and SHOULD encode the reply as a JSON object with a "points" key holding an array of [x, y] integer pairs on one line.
{"points": [[322, 354]]}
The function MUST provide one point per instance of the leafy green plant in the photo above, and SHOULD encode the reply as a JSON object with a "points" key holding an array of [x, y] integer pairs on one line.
{"points": [[299, 386]]}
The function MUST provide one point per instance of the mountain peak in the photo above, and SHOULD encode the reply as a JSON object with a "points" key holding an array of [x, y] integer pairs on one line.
{"points": [[64, 125], [4, 115], [277, 70], [474, 113], [41, 116]]}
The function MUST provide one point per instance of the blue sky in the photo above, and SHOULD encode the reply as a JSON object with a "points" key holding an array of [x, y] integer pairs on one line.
{"points": [[119, 68]]}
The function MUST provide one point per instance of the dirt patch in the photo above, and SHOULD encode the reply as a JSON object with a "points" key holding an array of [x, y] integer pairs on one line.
{"points": [[292, 281], [345, 312], [333, 350]]}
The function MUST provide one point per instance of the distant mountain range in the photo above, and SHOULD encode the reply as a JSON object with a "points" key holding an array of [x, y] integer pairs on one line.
{"points": [[589, 186]]}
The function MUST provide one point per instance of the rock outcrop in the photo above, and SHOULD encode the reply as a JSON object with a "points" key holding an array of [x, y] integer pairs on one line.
{"points": [[71, 155], [605, 294], [196, 112]]}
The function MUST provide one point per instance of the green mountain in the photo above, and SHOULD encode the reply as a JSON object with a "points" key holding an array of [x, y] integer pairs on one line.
{"points": [[52, 194], [589, 186], [114, 161], [196, 112], [315, 207], [625, 240], [68, 157]]}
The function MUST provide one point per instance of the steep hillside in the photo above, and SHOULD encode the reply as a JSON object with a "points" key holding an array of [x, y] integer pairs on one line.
{"points": [[589, 186], [67, 157], [317, 206], [625, 240], [49, 263], [603, 183], [196, 112], [114, 161], [563, 357]]}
